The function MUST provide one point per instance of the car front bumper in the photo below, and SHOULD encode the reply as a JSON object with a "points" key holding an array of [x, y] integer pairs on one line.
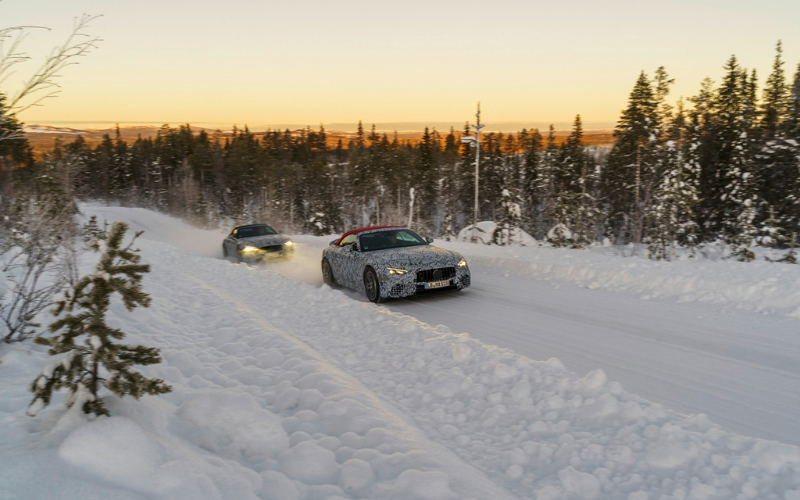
{"points": [[264, 255], [406, 285]]}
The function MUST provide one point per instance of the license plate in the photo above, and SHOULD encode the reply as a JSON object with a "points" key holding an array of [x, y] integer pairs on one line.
{"points": [[437, 284]]}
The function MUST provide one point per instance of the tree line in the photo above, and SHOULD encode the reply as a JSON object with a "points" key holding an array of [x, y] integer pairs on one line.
{"points": [[723, 165]]}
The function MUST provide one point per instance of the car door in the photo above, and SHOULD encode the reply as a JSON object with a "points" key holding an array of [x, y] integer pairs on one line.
{"points": [[340, 258]]}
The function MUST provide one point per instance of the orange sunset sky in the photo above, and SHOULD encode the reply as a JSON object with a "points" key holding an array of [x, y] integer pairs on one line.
{"points": [[298, 63]]}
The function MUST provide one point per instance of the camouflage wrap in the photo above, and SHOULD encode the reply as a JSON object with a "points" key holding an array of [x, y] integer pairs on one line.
{"points": [[424, 263]]}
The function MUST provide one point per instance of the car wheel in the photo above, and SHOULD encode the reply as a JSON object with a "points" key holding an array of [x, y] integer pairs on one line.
{"points": [[327, 274], [224, 252], [372, 287], [238, 257]]}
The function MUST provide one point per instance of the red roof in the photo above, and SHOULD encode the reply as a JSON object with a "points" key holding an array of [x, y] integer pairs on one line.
{"points": [[361, 230]]}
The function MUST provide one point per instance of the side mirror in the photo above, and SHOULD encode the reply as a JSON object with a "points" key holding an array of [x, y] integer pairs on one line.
{"points": [[429, 239], [332, 243]]}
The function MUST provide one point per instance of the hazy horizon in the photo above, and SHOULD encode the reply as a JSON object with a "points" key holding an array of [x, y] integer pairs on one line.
{"points": [[412, 126]]}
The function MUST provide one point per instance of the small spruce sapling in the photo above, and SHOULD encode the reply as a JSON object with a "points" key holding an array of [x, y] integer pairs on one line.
{"points": [[97, 361]]}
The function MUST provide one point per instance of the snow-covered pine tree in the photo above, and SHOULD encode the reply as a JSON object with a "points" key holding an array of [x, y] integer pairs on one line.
{"points": [[559, 235], [739, 195], [574, 206], [671, 214], [448, 227], [791, 255], [672, 210], [530, 179], [771, 234], [546, 186], [587, 215], [91, 231], [630, 173], [508, 229], [92, 359]]}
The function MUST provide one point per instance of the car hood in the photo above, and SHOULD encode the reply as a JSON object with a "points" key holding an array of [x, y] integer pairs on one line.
{"points": [[263, 241], [413, 258]]}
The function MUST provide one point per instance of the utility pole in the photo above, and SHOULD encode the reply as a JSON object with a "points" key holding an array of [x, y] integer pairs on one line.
{"points": [[476, 141]]}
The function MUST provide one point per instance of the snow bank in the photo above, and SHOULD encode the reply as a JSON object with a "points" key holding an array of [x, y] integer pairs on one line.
{"points": [[758, 286], [484, 234]]}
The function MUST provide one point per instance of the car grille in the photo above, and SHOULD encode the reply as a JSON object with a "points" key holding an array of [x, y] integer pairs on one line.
{"points": [[442, 273], [272, 248]]}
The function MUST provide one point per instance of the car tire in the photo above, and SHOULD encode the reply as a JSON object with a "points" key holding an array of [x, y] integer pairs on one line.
{"points": [[327, 274], [372, 286]]}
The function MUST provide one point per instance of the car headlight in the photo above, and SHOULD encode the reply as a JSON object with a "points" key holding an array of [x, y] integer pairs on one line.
{"points": [[249, 249], [393, 270], [463, 263], [289, 244]]}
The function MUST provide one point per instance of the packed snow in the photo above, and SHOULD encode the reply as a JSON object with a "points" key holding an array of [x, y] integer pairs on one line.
{"points": [[285, 389]]}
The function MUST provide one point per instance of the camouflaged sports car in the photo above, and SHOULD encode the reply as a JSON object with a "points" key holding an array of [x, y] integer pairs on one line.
{"points": [[255, 243], [392, 262]]}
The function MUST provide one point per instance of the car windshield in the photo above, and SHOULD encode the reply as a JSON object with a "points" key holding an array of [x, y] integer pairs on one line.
{"points": [[250, 231], [395, 238]]}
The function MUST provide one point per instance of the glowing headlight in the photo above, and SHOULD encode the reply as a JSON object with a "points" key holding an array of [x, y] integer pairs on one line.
{"points": [[289, 244], [463, 263], [249, 249], [396, 271]]}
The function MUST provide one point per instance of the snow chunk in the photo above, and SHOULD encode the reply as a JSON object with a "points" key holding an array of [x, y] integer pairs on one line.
{"points": [[461, 352], [583, 484], [670, 454], [595, 379], [278, 487], [447, 384], [310, 463], [418, 485], [233, 425], [115, 449], [503, 371], [356, 475], [702, 492], [772, 456]]}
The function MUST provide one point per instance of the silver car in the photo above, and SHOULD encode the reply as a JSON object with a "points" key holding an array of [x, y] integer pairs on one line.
{"points": [[392, 262], [255, 243]]}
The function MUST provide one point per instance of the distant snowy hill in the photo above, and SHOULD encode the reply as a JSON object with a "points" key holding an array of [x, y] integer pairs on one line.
{"points": [[47, 129], [285, 389]]}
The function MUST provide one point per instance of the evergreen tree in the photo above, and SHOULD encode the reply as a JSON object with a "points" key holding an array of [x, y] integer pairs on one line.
{"points": [[14, 148], [791, 255], [737, 213], [97, 361], [631, 174], [771, 234], [672, 213], [508, 229], [775, 101], [586, 214], [530, 180], [574, 208]]}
